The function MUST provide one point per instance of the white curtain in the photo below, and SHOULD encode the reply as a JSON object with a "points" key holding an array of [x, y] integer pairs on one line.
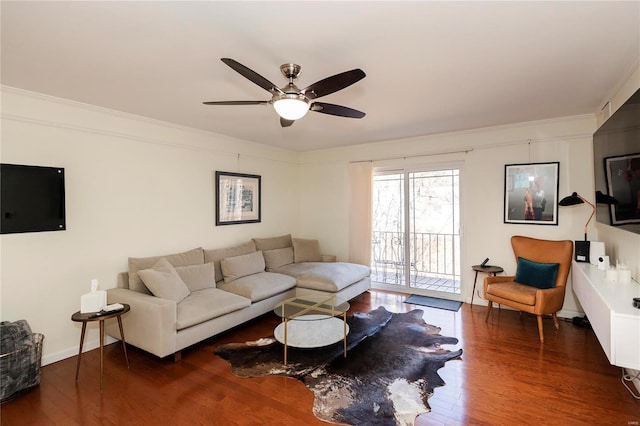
{"points": [[360, 192]]}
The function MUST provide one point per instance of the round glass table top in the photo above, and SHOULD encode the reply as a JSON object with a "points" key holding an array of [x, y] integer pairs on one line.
{"points": [[311, 307]]}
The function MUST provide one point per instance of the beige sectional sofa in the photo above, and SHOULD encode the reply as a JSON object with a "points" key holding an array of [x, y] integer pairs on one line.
{"points": [[180, 299]]}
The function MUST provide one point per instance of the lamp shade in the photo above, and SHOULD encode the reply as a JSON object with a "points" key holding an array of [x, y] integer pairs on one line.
{"points": [[291, 106], [571, 200], [605, 198]]}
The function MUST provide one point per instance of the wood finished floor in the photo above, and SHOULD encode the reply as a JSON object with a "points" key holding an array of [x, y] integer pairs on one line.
{"points": [[505, 377]]}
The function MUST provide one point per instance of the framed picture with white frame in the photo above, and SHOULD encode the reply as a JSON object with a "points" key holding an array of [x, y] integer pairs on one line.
{"points": [[531, 193]]}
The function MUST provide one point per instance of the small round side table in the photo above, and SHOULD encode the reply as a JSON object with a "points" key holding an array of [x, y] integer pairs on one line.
{"points": [[487, 269], [92, 316]]}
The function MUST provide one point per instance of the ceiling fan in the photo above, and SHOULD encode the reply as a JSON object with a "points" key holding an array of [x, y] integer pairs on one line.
{"points": [[292, 103]]}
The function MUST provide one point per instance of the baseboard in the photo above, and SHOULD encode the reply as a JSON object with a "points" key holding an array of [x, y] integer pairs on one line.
{"points": [[73, 351], [564, 313]]}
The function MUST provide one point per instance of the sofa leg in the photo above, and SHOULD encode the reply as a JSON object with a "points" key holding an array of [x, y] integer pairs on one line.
{"points": [[555, 321], [488, 311], [177, 357], [540, 332]]}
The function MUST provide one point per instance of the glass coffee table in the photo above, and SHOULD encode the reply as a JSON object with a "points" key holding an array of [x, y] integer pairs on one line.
{"points": [[312, 321]]}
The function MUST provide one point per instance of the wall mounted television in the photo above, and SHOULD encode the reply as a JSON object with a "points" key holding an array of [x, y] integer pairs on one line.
{"points": [[32, 199], [616, 155]]}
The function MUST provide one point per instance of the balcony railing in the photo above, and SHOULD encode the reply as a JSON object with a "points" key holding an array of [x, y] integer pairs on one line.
{"points": [[433, 259]]}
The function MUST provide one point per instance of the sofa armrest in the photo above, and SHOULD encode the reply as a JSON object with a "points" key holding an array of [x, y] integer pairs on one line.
{"points": [[123, 280], [149, 325], [328, 258]]}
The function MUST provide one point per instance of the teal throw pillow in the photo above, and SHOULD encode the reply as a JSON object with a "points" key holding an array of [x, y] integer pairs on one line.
{"points": [[536, 274]]}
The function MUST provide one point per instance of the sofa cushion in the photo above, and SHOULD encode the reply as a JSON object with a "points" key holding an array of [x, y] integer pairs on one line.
{"points": [[197, 277], [163, 281], [274, 259], [191, 257], [273, 243], [330, 277], [241, 266], [306, 250], [206, 304], [216, 255], [259, 286], [536, 274]]}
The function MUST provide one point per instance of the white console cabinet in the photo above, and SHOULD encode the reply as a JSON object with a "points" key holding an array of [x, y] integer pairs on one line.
{"points": [[609, 307]]}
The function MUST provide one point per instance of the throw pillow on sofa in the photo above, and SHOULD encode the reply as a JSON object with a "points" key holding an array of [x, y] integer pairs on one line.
{"points": [[277, 258], [163, 281], [198, 277], [242, 266], [190, 257], [273, 243], [306, 250], [216, 255]]}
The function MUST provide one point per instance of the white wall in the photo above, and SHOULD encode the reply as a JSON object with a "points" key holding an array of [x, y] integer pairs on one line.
{"points": [[134, 187], [484, 153]]}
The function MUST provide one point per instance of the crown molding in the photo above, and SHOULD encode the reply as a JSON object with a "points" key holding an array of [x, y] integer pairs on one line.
{"points": [[272, 153]]}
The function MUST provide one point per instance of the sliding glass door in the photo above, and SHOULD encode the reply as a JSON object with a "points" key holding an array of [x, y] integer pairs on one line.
{"points": [[415, 237]]}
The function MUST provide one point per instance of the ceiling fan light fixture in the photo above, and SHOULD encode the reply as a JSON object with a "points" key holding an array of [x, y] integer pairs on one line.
{"points": [[291, 106]]}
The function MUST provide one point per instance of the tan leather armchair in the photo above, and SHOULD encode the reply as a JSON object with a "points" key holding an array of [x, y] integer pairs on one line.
{"points": [[505, 290]]}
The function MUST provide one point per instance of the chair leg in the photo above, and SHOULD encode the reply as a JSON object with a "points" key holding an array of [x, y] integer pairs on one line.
{"points": [[488, 311], [555, 321], [540, 332]]}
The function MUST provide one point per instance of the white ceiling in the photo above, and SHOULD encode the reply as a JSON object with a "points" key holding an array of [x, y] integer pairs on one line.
{"points": [[431, 67]]}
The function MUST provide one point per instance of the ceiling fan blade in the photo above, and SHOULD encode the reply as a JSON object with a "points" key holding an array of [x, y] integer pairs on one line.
{"points": [[252, 75], [339, 110], [286, 123], [334, 83], [236, 103]]}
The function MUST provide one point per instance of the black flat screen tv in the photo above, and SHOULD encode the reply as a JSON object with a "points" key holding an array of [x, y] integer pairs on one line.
{"points": [[31, 199], [616, 154]]}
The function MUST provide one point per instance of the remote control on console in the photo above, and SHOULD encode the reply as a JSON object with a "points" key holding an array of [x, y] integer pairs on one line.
{"points": [[107, 310], [113, 307]]}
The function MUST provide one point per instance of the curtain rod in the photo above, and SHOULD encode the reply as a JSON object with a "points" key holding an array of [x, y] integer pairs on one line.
{"points": [[488, 146], [404, 157]]}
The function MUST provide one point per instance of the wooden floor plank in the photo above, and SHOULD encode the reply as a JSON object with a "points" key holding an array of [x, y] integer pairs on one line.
{"points": [[504, 377]]}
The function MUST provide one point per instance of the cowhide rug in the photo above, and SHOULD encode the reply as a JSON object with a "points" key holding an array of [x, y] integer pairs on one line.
{"points": [[388, 375]]}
